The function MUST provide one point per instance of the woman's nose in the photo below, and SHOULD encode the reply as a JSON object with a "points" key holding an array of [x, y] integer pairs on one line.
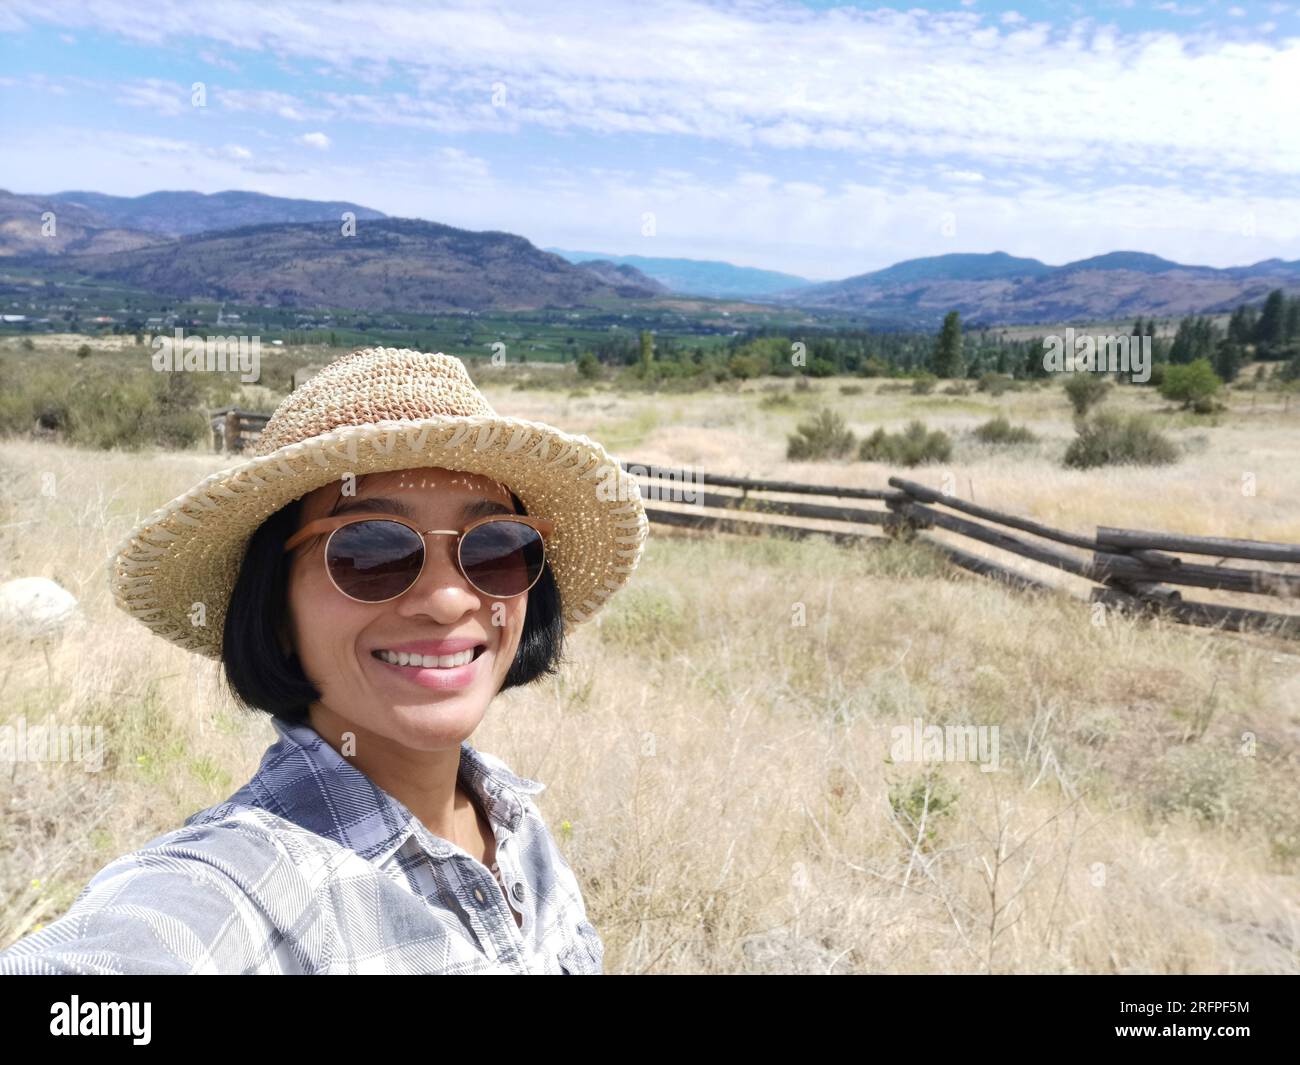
{"points": [[441, 587]]}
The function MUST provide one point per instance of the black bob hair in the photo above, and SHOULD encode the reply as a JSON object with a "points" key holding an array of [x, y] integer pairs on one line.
{"points": [[261, 677]]}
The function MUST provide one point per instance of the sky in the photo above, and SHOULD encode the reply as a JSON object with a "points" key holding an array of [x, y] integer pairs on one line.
{"points": [[820, 139]]}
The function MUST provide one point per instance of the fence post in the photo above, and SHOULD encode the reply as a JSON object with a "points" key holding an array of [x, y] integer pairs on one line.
{"points": [[233, 443]]}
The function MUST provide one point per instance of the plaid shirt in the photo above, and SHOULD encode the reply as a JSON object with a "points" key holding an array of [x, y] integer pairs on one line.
{"points": [[312, 869]]}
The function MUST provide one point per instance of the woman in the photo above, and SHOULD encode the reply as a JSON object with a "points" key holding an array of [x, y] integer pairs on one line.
{"points": [[393, 556]]}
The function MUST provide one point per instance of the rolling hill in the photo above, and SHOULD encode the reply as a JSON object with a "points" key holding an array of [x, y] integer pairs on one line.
{"points": [[391, 264]]}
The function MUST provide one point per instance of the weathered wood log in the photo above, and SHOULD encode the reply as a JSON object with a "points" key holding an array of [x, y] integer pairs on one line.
{"points": [[1197, 613], [1155, 558], [1112, 539], [712, 523], [988, 569], [755, 505], [1147, 590], [674, 475], [1257, 582], [929, 495], [1047, 555]]}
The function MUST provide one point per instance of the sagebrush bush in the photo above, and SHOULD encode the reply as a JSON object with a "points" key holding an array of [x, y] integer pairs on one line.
{"points": [[825, 436], [923, 384], [995, 383], [914, 446], [1000, 431], [1110, 439], [1085, 390]]}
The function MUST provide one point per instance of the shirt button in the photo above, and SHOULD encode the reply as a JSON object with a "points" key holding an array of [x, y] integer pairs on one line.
{"points": [[478, 894], [518, 891]]}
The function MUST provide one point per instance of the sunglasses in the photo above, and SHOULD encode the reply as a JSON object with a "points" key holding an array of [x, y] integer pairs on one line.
{"points": [[373, 560]]}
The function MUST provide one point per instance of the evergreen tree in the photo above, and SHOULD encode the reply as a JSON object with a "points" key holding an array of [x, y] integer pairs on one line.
{"points": [[946, 359], [1228, 359], [1272, 320], [1239, 329], [1292, 329], [647, 350], [1180, 353]]}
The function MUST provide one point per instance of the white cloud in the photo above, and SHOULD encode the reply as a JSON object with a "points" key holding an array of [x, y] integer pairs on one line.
{"points": [[315, 140], [908, 83], [162, 97], [269, 101]]}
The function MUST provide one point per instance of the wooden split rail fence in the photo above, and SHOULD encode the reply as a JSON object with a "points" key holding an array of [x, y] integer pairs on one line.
{"points": [[1135, 569], [234, 430]]}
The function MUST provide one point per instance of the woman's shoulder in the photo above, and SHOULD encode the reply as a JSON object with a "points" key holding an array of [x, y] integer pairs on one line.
{"points": [[206, 897]]}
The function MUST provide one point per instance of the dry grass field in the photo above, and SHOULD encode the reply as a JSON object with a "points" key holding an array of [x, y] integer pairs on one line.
{"points": [[718, 746]]}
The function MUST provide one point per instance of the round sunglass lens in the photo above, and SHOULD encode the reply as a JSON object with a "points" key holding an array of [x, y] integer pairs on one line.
{"points": [[502, 558], [374, 560]]}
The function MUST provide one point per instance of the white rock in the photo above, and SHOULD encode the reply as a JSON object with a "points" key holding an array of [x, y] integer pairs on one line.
{"points": [[36, 607]]}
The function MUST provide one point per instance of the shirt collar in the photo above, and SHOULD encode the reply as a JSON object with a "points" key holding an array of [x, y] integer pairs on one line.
{"points": [[306, 781]]}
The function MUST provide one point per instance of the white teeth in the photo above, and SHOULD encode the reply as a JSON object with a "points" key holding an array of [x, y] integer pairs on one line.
{"points": [[401, 658]]}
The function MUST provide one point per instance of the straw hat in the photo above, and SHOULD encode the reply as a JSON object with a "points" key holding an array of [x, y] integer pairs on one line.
{"points": [[375, 410]]}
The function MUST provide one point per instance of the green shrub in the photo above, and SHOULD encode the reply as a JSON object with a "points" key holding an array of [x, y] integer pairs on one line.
{"points": [[1111, 439], [914, 446], [995, 383], [1001, 431], [826, 436], [873, 367], [746, 366], [1191, 384], [851, 390], [923, 384], [588, 366], [1085, 390], [957, 388], [776, 399]]}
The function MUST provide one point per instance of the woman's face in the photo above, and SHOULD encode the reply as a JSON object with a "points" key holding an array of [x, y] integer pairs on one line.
{"points": [[337, 638]]}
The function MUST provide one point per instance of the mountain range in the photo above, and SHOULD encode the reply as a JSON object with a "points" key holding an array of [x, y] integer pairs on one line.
{"points": [[996, 288], [251, 248]]}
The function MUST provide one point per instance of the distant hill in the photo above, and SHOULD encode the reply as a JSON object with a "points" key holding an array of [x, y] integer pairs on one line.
{"points": [[391, 264], [960, 267], [178, 214], [279, 251], [74, 228], [699, 277], [1136, 261], [996, 288], [627, 280]]}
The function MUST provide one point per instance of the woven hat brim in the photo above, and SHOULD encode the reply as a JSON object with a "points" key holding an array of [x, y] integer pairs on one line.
{"points": [[189, 551]]}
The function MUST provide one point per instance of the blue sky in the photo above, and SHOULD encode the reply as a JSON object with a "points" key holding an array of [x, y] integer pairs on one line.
{"points": [[818, 138]]}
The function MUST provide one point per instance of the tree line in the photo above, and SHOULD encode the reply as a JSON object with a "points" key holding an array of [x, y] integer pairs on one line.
{"points": [[1269, 333]]}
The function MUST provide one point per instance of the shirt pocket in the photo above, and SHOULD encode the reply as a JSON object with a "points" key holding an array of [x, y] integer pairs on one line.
{"points": [[583, 954]]}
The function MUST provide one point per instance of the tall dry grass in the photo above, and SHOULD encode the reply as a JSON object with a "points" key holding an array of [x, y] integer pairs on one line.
{"points": [[717, 747]]}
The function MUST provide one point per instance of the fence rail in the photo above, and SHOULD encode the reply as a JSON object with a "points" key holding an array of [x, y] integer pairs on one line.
{"points": [[1135, 569], [234, 430]]}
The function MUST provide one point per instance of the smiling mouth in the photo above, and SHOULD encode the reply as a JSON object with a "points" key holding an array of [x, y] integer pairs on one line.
{"points": [[408, 661]]}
